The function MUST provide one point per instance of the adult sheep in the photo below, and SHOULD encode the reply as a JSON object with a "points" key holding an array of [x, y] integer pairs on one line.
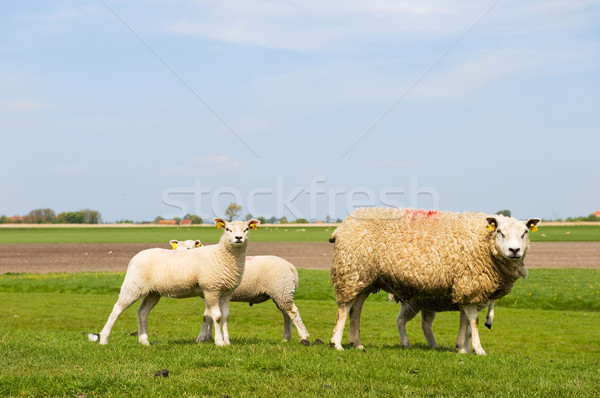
{"points": [[265, 277], [465, 258], [211, 272]]}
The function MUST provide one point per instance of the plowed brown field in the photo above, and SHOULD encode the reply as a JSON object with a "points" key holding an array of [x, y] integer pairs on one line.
{"points": [[74, 257]]}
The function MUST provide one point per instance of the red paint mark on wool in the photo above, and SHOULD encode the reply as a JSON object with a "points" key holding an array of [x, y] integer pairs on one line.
{"points": [[421, 213], [248, 258]]}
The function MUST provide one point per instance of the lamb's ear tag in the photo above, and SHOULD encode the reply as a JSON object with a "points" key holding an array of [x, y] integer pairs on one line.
{"points": [[491, 226], [253, 226], [198, 244], [220, 225], [532, 227], [174, 246]]}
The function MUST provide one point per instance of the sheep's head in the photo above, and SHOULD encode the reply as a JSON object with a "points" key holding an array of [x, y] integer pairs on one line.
{"points": [[236, 232], [511, 235], [185, 245]]}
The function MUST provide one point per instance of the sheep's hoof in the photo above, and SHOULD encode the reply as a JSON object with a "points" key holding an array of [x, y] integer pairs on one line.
{"points": [[488, 325], [305, 342], [318, 342]]}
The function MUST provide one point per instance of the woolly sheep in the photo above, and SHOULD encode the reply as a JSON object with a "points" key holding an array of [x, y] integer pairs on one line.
{"points": [[265, 277], [465, 258], [211, 272]]}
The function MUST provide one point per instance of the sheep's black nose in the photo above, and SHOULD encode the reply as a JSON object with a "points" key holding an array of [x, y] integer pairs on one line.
{"points": [[238, 238], [514, 251]]}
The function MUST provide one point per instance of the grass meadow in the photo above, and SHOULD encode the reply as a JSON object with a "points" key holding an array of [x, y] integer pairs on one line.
{"points": [[154, 234], [544, 342]]}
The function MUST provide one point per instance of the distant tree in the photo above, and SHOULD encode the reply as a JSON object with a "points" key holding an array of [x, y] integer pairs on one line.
{"points": [[70, 217], [233, 211], [40, 216], [157, 219], [91, 216], [193, 218], [262, 219], [177, 220], [283, 220], [327, 218], [504, 212], [248, 217], [272, 220], [124, 221], [4, 219], [301, 221]]}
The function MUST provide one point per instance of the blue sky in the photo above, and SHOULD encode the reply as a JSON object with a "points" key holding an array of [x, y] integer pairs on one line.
{"points": [[299, 108]]}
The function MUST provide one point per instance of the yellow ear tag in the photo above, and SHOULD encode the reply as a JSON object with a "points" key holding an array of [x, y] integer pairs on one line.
{"points": [[492, 227], [533, 228], [198, 244], [174, 246], [253, 226], [220, 225]]}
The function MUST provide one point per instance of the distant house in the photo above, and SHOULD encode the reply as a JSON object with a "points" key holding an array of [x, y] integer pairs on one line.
{"points": [[185, 222], [167, 222], [17, 219], [597, 213]]}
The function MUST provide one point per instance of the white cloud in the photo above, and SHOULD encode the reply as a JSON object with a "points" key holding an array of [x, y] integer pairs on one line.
{"points": [[25, 106], [221, 163]]}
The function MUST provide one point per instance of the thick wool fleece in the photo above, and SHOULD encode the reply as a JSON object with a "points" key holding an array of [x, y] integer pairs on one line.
{"points": [[420, 255]]}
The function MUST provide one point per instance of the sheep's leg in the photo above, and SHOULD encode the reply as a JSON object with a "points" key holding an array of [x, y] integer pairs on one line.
{"points": [[291, 314], [287, 326], [489, 319], [212, 303], [427, 318], [462, 332], [121, 305], [407, 312], [294, 314], [206, 331], [224, 306], [354, 329], [473, 317], [340, 323], [146, 306]]}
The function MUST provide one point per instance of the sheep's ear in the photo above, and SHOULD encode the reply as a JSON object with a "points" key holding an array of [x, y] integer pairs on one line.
{"points": [[174, 244], [532, 224], [220, 223], [253, 224], [197, 243], [492, 223]]}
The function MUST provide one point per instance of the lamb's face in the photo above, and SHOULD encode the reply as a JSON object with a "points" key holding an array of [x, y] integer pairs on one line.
{"points": [[236, 232], [185, 245], [511, 235]]}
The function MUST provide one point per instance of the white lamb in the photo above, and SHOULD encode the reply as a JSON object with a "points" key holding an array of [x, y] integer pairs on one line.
{"points": [[265, 277], [212, 272], [462, 258]]}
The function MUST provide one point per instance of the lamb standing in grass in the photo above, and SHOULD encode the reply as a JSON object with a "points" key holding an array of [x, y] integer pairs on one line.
{"points": [[465, 258], [429, 308], [211, 272], [265, 277]]}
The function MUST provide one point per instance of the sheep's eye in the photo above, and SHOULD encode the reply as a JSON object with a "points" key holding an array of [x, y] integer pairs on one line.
{"points": [[501, 234], [524, 234], [246, 230], [227, 229]]}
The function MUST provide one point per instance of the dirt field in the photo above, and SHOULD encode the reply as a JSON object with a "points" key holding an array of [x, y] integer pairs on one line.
{"points": [[72, 257]]}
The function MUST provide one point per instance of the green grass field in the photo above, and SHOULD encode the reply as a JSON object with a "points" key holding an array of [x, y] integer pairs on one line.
{"points": [[582, 233], [544, 342]]}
